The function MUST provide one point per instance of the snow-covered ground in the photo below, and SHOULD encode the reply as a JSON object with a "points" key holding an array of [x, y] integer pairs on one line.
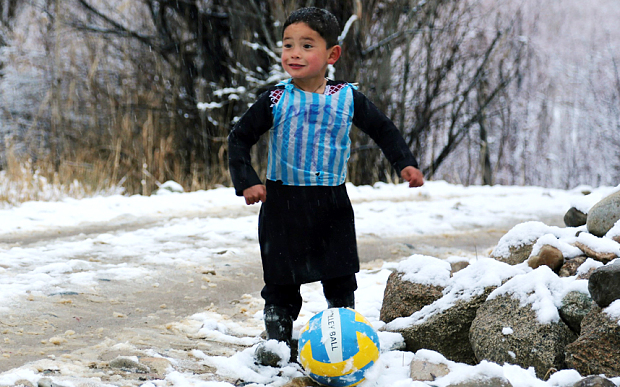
{"points": [[71, 246]]}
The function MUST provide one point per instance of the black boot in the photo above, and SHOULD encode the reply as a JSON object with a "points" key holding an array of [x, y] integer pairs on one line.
{"points": [[279, 326], [347, 301]]}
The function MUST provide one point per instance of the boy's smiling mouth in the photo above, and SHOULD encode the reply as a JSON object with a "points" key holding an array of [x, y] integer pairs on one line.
{"points": [[295, 65]]}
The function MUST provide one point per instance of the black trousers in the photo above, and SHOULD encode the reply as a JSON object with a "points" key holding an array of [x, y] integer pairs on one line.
{"points": [[306, 234], [289, 296]]}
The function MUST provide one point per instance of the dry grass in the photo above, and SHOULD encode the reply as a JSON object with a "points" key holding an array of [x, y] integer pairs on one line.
{"points": [[23, 180]]}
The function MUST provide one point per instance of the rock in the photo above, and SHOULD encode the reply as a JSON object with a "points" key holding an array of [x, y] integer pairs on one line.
{"points": [[590, 252], [23, 383], [403, 298], [604, 284], [169, 187], [517, 255], [575, 218], [604, 214], [516, 245], [425, 371], [506, 332], [302, 382], [110, 355], [159, 365], [44, 382], [447, 332], [570, 266], [483, 382], [458, 266], [594, 381], [549, 256], [575, 306], [128, 364], [597, 350]]}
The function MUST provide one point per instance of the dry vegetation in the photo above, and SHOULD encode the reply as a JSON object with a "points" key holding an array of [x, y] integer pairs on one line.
{"points": [[104, 95]]}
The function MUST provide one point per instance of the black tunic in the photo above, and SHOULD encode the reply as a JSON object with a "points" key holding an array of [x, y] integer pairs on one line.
{"points": [[307, 233]]}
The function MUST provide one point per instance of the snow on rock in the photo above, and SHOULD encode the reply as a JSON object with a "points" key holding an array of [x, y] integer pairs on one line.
{"points": [[527, 233], [425, 270], [465, 284], [568, 251]]}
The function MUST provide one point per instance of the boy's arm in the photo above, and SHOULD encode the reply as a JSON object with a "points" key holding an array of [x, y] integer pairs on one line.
{"points": [[382, 130], [246, 132]]}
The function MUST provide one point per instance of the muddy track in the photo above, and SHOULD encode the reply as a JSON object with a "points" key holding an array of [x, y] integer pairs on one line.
{"points": [[140, 312]]}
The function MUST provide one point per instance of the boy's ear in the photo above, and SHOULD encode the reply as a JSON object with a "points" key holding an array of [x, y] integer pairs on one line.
{"points": [[334, 54]]}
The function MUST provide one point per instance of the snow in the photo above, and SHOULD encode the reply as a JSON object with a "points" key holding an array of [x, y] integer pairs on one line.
{"points": [[528, 232], [425, 270], [222, 219], [601, 245], [567, 250]]}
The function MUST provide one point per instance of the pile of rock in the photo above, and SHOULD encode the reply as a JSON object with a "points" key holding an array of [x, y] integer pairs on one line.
{"points": [[547, 298]]}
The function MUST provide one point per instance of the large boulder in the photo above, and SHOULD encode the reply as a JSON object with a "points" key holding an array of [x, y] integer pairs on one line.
{"points": [[403, 298], [575, 218], [504, 331], [604, 214], [597, 350], [604, 284], [446, 332]]}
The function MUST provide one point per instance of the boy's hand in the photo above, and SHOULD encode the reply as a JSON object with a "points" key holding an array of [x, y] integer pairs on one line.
{"points": [[413, 176], [254, 194]]}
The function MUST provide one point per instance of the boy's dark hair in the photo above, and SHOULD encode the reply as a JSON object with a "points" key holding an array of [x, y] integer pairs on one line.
{"points": [[320, 20]]}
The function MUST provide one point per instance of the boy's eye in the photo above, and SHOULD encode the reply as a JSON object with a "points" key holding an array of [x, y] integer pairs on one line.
{"points": [[288, 45], [307, 46]]}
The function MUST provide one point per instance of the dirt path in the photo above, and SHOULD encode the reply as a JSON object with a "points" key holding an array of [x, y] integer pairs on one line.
{"points": [[73, 325]]}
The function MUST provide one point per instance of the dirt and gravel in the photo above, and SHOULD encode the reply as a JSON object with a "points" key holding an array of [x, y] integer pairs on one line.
{"points": [[77, 326]]}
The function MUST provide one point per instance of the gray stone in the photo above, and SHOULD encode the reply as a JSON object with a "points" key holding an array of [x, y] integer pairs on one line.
{"points": [[23, 383], [575, 218], [549, 256], [446, 332], [403, 298], [424, 371], [483, 382], [594, 381], [128, 364], [575, 306], [303, 381], [518, 254], [158, 365], [604, 214], [528, 344], [604, 284], [44, 382], [597, 350]]}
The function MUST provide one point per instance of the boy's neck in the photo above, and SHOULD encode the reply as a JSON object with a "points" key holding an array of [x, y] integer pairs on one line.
{"points": [[313, 86]]}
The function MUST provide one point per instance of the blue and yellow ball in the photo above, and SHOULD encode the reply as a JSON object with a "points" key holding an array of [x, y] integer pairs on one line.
{"points": [[337, 346]]}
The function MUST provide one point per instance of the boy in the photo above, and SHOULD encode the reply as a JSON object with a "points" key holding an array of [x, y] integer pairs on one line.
{"points": [[306, 226]]}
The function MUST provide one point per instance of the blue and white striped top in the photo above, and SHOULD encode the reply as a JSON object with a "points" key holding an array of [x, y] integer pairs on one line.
{"points": [[309, 141]]}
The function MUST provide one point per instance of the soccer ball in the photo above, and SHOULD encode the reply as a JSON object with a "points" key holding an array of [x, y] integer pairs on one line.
{"points": [[337, 346]]}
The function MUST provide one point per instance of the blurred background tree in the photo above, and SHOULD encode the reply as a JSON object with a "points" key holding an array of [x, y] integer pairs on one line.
{"points": [[133, 93]]}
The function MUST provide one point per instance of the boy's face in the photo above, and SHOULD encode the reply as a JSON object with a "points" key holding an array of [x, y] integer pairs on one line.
{"points": [[305, 55]]}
